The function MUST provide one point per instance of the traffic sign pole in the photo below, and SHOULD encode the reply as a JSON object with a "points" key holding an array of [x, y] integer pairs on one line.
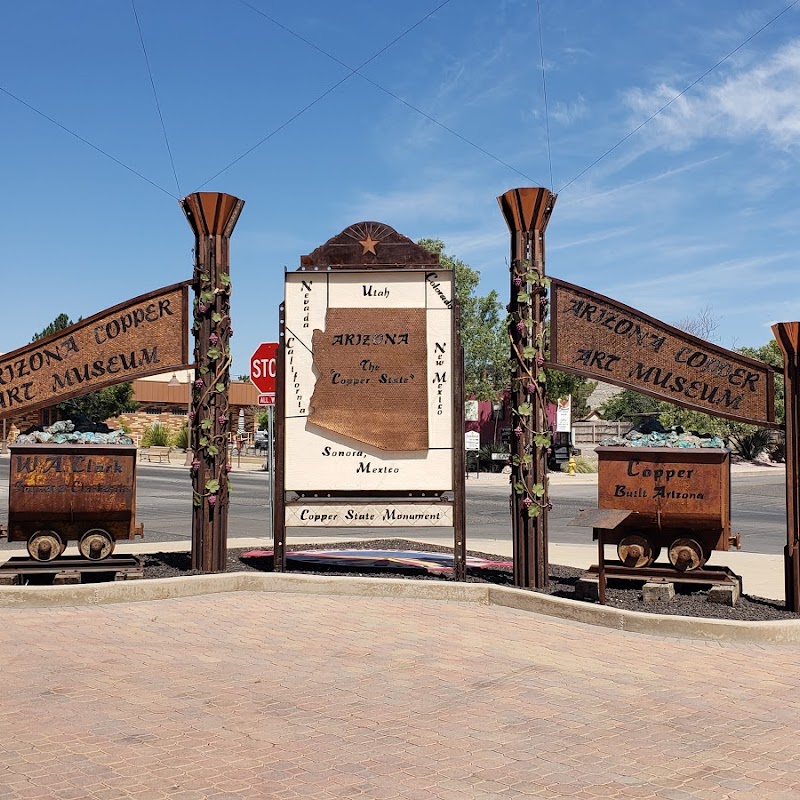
{"points": [[271, 466], [263, 371]]}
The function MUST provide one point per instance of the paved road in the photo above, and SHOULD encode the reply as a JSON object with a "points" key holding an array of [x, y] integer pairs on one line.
{"points": [[271, 695], [164, 506]]}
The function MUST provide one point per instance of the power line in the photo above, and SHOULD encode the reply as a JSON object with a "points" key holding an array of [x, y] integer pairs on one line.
{"points": [[155, 97], [680, 94], [357, 71], [86, 142], [327, 91], [544, 92]]}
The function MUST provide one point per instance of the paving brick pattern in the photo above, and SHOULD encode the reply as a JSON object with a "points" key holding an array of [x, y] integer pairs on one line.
{"points": [[288, 696]]}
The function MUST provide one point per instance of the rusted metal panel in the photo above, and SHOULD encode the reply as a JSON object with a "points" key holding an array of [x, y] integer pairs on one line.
{"points": [[787, 335], [367, 245], [372, 372], [669, 489], [139, 337], [597, 337], [71, 489]]}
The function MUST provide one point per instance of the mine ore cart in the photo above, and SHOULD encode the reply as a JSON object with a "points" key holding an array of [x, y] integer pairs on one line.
{"points": [[72, 492], [679, 499]]}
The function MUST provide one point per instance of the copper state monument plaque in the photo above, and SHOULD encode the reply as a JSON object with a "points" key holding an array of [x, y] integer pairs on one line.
{"points": [[371, 368]]}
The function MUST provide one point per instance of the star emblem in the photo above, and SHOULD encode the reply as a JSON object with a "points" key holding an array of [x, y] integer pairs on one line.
{"points": [[369, 245]]}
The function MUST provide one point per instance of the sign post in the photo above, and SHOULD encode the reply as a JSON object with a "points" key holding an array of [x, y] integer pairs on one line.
{"points": [[787, 335], [263, 369], [472, 444]]}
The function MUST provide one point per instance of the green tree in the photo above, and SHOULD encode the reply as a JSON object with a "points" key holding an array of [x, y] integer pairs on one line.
{"points": [[630, 406], [770, 353], [561, 384], [58, 324], [95, 406], [485, 339], [483, 332], [100, 405]]}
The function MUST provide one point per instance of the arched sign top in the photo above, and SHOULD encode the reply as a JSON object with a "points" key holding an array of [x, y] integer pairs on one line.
{"points": [[369, 244]]}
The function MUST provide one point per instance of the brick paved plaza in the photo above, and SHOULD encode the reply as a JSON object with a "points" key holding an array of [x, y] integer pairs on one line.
{"points": [[259, 695]]}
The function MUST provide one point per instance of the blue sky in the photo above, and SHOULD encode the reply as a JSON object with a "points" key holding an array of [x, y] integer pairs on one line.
{"points": [[697, 209]]}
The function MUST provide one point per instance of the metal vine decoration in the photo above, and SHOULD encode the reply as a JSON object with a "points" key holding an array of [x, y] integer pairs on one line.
{"points": [[527, 334], [212, 320]]}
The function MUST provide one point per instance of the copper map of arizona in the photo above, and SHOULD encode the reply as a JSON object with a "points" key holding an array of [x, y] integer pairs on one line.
{"points": [[372, 386]]}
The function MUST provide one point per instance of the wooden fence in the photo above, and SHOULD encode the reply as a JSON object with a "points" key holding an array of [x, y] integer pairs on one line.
{"points": [[592, 432]]}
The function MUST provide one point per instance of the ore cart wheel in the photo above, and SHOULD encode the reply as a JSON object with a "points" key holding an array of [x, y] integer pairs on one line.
{"points": [[686, 554], [45, 546], [96, 544], [636, 551]]}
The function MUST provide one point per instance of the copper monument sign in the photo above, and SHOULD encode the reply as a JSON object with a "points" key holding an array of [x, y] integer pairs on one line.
{"points": [[594, 336], [369, 391]]}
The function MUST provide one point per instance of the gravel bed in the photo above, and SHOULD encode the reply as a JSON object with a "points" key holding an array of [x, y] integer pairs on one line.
{"points": [[620, 594]]}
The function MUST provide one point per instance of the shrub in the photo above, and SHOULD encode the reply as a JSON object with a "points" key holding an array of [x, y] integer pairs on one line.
{"points": [[156, 435], [750, 444], [488, 464], [584, 465], [776, 450], [181, 438]]}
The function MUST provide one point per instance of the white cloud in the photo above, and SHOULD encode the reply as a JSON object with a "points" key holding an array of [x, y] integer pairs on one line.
{"points": [[760, 100], [568, 113]]}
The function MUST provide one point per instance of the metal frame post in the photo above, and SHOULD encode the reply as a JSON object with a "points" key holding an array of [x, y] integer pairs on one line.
{"points": [[527, 212], [787, 335], [212, 217]]}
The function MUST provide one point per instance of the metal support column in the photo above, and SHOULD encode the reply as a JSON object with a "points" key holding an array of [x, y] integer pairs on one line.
{"points": [[787, 335], [527, 212], [212, 217]]}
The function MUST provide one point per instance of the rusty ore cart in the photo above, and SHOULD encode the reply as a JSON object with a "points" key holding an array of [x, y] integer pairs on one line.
{"points": [[72, 492], [679, 499]]}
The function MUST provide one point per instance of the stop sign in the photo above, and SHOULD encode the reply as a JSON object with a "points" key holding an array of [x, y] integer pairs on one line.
{"points": [[263, 367]]}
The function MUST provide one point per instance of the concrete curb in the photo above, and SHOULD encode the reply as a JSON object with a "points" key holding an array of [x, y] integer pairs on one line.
{"points": [[780, 632]]}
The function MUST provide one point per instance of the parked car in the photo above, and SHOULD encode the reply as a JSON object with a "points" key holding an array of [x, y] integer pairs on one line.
{"points": [[261, 441]]}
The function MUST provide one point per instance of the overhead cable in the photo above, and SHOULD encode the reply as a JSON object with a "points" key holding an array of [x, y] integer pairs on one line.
{"points": [[544, 92], [86, 141], [356, 71], [679, 95], [155, 97]]}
